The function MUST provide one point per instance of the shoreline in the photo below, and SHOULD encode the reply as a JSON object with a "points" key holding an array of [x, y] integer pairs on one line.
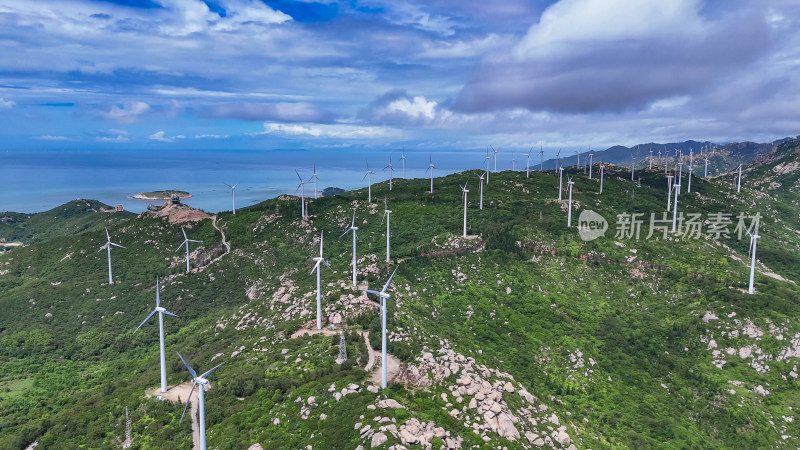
{"points": [[167, 195]]}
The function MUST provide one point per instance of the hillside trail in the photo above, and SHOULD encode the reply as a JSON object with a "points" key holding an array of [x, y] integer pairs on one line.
{"points": [[224, 239], [179, 394], [393, 366]]}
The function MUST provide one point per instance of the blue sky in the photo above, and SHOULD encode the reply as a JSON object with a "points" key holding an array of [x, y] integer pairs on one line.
{"points": [[436, 74]]}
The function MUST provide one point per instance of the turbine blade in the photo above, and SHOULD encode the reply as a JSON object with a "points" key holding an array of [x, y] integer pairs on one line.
{"points": [[116, 245], [370, 291], [316, 267], [389, 280], [188, 367], [328, 265], [211, 370], [184, 233], [354, 219], [145, 320], [187, 401], [192, 240], [158, 294], [182, 244], [107, 235], [167, 312], [103, 247], [298, 176], [345, 232]]}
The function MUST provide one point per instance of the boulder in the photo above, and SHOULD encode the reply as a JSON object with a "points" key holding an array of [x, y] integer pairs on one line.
{"points": [[378, 439]]}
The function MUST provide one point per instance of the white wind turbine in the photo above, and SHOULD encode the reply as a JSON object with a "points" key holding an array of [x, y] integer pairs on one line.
{"points": [[739, 180], [669, 192], [677, 187], [488, 158], [528, 165], [107, 246], [579, 158], [161, 311], [386, 213], [390, 166], [705, 173], [591, 163], [354, 229], [601, 178], [403, 158], [481, 203], [318, 261], [430, 167], [383, 297], [302, 188], [753, 241], [202, 381], [560, 178], [185, 242], [464, 191], [558, 159], [569, 209], [495, 159], [513, 162], [541, 156], [691, 169], [368, 173], [633, 163], [315, 177], [651, 159], [233, 195]]}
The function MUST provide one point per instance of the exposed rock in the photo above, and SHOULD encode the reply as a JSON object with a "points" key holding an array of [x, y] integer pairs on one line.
{"points": [[378, 439], [390, 403]]}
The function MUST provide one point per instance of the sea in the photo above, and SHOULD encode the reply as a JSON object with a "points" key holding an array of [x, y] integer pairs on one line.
{"points": [[38, 180]]}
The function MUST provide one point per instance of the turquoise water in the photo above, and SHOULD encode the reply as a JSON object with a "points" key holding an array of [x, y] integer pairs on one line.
{"points": [[33, 181]]}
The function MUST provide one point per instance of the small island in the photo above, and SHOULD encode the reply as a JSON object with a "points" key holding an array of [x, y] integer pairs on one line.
{"points": [[160, 195]]}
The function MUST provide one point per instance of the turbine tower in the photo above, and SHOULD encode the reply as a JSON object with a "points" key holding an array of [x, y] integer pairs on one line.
{"points": [[383, 296], [302, 188], [569, 209], [386, 213], [739, 180], [633, 164], [233, 195], [368, 173], [591, 162], [651, 159], [185, 242], [161, 311], [705, 174], [495, 159], [202, 381], [753, 241], [481, 203], [560, 178], [319, 260], [677, 187], [430, 167], [528, 165], [107, 246], [488, 158], [354, 229], [601, 178], [513, 162], [558, 159], [403, 158], [541, 156], [669, 192], [464, 191]]}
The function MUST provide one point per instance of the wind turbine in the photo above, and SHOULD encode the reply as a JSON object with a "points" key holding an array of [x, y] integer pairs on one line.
{"points": [[185, 242], [541, 156], [495, 159], [739, 180], [464, 191], [390, 166], [386, 215], [383, 297], [233, 195], [368, 173], [488, 158], [481, 203], [691, 169], [202, 381], [591, 162], [753, 241], [302, 187], [513, 162], [705, 174], [315, 177], [319, 260], [669, 192], [161, 311], [430, 167], [601, 178], [107, 246], [569, 209], [403, 158], [560, 177], [651, 159], [677, 187], [558, 159], [633, 164], [528, 165], [579, 157], [354, 229]]}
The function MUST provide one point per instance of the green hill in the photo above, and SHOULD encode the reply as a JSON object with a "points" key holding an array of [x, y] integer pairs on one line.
{"points": [[70, 218], [521, 335]]}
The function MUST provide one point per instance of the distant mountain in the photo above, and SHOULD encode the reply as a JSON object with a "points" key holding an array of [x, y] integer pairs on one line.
{"points": [[70, 218], [722, 158]]}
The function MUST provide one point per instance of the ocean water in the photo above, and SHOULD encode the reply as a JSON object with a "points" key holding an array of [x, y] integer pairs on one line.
{"points": [[38, 180]]}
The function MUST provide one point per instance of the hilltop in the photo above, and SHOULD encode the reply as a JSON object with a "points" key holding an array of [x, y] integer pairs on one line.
{"points": [[521, 335], [70, 218]]}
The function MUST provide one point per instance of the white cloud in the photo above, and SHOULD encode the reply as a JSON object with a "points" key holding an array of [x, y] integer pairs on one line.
{"points": [[418, 108], [48, 137], [112, 139], [128, 113], [212, 136], [159, 136], [337, 131], [6, 103]]}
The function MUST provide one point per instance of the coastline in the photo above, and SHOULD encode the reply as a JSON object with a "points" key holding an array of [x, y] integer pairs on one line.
{"points": [[162, 195]]}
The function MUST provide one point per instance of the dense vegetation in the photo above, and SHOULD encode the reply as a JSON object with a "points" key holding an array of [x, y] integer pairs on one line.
{"points": [[523, 294]]}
